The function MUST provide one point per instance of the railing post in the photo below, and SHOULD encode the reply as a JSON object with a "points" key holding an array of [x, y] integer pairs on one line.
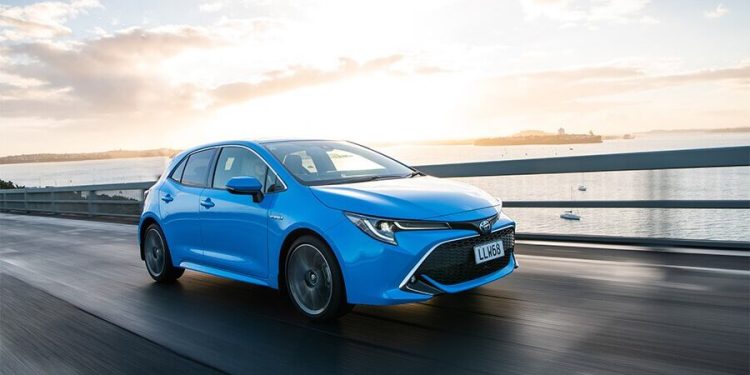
{"points": [[53, 202], [89, 203]]}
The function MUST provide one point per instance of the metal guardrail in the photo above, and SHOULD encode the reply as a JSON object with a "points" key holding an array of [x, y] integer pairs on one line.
{"points": [[677, 159], [115, 200], [126, 199], [654, 243], [732, 204]]}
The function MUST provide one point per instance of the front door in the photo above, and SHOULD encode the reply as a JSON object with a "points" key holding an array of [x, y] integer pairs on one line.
{"points": [[234, 228]]}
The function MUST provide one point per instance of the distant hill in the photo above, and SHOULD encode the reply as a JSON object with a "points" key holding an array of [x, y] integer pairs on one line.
{"points": [[524, 137], [115, 154], [539, 137], [545, 139], [449, 142], [531, 133], [744, 129]]}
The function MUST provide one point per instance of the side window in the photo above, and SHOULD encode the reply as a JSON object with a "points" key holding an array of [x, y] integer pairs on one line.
{"points": [[177, 172], [239, 161], [196, 168]]}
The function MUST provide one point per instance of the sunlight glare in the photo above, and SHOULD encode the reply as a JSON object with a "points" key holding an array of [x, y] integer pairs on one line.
{"points": [[378, 107]]}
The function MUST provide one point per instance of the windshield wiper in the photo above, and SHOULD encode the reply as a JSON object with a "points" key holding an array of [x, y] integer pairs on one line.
{"points": [[351, 180], [373, 178], [415, 174]]}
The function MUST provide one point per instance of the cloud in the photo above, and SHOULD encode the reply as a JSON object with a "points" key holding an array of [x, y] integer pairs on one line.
{"points": [[297, 77], [43, 20], [107, 75], [717, 12], [573, 12], [119, 74], [211, 6], [584, 90], [739, 74]]}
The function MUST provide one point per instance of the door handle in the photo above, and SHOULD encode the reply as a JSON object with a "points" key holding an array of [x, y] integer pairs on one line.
{"points": [[207, 203], [167, 198]]}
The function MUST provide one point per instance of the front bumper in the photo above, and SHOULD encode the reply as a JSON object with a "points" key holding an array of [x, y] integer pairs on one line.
{"points": [[376, 273], [450, 267]]}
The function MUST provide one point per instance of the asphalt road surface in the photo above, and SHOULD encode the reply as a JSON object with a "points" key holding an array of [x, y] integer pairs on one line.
{"points": [[75, 298]]}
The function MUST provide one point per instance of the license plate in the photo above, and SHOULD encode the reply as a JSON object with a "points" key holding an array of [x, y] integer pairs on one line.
{"points": [[488, 251]]}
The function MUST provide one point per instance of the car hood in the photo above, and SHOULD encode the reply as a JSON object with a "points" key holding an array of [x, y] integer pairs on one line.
{"points": [[405, 198]]}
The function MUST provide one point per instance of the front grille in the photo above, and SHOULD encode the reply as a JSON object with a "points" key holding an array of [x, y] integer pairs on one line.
{"points": [[453, 262]]}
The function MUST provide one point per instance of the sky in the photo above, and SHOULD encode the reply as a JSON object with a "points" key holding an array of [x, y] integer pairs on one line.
{"points": [[95, 75]]}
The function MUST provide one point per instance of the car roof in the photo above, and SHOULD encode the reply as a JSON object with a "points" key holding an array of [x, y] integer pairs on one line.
{"points": [[260, 142], [280, 140], [252, 141]]}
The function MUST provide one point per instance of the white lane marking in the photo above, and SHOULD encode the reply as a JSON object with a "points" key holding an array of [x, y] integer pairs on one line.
{"points": [[622, 274], [617, 273], [632, 264], [676, 250], [75, 230], [707, 269]]}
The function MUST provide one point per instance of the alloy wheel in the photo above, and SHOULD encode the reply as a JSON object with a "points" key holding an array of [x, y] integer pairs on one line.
{"points": [[309, 279], [154, 252]]}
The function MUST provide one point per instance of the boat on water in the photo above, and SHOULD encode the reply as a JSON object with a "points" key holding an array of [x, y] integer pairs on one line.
{"points": [[582, 188], [569, 215]]}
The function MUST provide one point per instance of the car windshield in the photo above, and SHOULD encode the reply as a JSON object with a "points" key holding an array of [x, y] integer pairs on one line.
{"points": [[335, 162]]}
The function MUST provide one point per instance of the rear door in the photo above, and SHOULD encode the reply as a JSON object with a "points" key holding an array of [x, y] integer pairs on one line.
{"points": [[235, 229], [179, 202]]}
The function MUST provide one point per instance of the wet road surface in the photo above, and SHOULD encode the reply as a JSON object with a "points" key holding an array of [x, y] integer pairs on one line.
{"points": [[76, 298]]}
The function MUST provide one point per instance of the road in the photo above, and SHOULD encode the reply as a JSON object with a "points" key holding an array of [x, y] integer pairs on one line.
{"points": [[76, 298]]}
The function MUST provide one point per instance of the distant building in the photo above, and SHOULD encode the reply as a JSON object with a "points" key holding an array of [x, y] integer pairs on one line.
{"points": [[561, 131]]}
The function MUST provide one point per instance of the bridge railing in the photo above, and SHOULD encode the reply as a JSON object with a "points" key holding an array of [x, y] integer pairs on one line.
{"points": [[126, 199], [113, 200]]}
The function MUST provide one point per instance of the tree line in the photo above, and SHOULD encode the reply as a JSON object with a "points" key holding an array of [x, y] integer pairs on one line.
{"points": [[9, 185]]}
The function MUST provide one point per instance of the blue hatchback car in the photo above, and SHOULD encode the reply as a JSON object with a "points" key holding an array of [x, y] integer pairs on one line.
{"points": [[331, 223]]}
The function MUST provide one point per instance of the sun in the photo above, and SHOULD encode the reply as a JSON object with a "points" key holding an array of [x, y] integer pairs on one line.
{"points": [[382, 107]]}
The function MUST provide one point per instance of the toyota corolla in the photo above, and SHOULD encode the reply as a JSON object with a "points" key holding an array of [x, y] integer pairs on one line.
{"points": [[330, 223]]}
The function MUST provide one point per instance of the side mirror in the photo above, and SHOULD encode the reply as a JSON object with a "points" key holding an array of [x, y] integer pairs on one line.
{"points": [[246, 185]]}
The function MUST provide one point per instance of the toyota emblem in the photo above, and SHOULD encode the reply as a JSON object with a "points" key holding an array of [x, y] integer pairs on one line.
{"points": [[484, 227]]}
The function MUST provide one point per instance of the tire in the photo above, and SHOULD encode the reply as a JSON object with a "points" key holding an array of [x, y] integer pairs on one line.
{"points": [[157, 257], [314, 281]]}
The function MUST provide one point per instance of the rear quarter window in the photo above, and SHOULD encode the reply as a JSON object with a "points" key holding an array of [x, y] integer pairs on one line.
{"points": [[177, 172]]}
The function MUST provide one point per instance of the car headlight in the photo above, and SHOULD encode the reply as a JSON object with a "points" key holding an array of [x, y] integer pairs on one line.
{"points": [[385, 229]]}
